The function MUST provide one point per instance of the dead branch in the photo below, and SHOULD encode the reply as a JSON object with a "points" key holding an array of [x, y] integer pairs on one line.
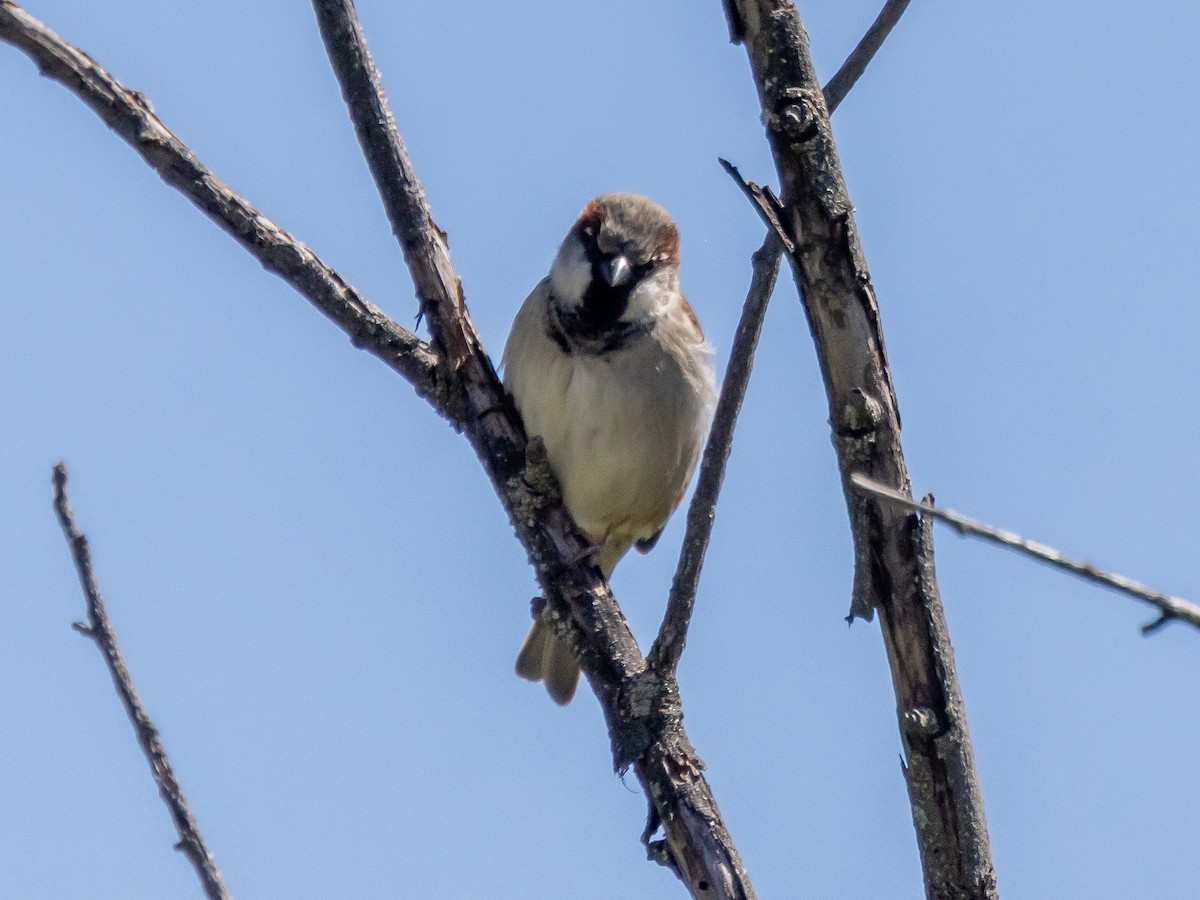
{"points": [[860, 57], [1169, 608], [642, 710], [130, 115], [702, 513], [893, 562], [99, 629]]}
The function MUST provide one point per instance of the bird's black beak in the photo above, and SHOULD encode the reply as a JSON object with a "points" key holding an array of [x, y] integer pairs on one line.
{"points": [[616, 271]]}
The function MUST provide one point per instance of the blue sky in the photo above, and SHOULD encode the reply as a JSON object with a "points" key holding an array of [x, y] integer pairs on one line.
{"points": [[319, 594]]}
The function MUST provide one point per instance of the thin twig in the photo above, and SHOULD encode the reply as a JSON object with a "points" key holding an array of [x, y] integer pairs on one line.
{"points": [[1169, 607], [100, 630], [769, 207], [129, 114], [858, 60], [672, 634]]}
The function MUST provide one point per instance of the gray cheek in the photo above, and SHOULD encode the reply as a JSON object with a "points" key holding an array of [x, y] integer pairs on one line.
{"points": [[647, 297]]}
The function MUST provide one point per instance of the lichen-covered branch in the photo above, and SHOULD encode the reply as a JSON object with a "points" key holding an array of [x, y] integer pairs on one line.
{"points": [[642, 710], [893, 566]]}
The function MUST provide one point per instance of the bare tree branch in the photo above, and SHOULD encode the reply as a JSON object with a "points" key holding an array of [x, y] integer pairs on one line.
{"points": [[860, 57], [642, 710], [940, 772], [893, 565], [764, 201], [439, 291], [1169, 607], [129, 114], [489, 419], [100, 630], [672, 634]]}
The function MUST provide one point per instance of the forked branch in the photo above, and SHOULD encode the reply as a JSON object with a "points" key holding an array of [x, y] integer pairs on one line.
{"points": [[893, 557], [643, 715], [672, 634], [644, 719]]}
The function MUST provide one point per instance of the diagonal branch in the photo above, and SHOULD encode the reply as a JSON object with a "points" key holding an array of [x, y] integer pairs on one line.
{"points": [[490, 421], [439, 291], [860, 57], [643, 712], [128, 114], [681, 602], [1168, 607], [893, 557], [100, 630], [672, 634]]}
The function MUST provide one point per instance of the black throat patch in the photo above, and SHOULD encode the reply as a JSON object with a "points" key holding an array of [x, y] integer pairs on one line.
{"points": [[603, 304], [583, 331]]}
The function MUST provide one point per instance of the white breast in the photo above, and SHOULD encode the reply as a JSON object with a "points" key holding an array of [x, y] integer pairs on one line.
{"points": [[622, 429]]}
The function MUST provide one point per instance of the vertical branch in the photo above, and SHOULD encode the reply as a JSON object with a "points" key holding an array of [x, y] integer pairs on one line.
{"points": [[100, 630], [956, 854], [893, 573]]}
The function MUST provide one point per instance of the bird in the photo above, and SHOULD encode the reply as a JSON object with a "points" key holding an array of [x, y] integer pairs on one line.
{"points": [[608, 366]]}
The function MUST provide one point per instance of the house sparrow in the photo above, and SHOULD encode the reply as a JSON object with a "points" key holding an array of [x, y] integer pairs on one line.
{"points": [[607, 364]]}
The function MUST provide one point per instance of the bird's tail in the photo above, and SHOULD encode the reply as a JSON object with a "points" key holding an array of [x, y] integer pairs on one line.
{"points": [[544, 657]]}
